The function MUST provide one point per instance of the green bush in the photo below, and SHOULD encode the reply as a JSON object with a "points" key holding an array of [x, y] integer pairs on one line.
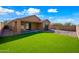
{"points": [[1, 37]]}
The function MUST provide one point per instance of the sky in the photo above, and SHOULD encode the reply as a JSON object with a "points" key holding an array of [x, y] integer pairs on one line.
{"points": [[55, 14]]}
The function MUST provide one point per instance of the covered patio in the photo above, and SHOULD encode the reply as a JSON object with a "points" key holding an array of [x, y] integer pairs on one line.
{"points": [[30, 25]]}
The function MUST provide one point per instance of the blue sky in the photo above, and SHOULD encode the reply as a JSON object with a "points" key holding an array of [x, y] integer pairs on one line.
{"points": [[56, 14]]}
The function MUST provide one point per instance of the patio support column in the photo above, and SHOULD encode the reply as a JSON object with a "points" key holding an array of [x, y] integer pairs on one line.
{"points": [[33, 26], [77, 31], [18, 26], [1, 27]]}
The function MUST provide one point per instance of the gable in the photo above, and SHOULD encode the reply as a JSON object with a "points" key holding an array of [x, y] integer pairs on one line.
{"points": [[46, 21], [32, 18]]}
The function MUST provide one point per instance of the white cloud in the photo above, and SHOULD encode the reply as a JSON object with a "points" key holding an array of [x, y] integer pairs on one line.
{"points": [[18, 13], [41, 16], [51, 18], [52, 10], [23, 12], [32, 11], [69, 20], [5, 10], [29, 11], [64, 20]]}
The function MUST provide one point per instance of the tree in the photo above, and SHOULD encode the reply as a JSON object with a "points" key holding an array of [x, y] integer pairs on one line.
{"points": [[69, 24], [6, 21], [58, 24]]}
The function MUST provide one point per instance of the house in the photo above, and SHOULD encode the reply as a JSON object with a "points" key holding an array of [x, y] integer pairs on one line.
{"points": [[27, 23]]}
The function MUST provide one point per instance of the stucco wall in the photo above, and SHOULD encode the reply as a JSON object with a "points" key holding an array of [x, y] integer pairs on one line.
{"points": [[36, 26], [77, 31], [16, 26]]}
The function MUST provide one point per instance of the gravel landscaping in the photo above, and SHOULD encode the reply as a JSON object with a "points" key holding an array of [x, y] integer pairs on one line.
{"points": [[69, 33]]}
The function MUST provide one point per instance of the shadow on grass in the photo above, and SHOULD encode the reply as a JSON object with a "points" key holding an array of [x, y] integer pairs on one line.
{"points": [[16, 37]]}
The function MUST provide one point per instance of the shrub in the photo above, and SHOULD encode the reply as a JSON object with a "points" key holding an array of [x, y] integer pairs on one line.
{"points": [[1, 37]]}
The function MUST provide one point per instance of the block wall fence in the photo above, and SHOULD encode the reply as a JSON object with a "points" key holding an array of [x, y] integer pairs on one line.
{"points": [[65, 28]]}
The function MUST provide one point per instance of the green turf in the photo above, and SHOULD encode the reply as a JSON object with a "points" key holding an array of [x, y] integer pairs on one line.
{"points": [[39, 42]]}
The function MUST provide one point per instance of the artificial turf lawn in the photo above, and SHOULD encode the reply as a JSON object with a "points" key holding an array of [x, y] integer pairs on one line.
{"points": [[39, 42]]}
